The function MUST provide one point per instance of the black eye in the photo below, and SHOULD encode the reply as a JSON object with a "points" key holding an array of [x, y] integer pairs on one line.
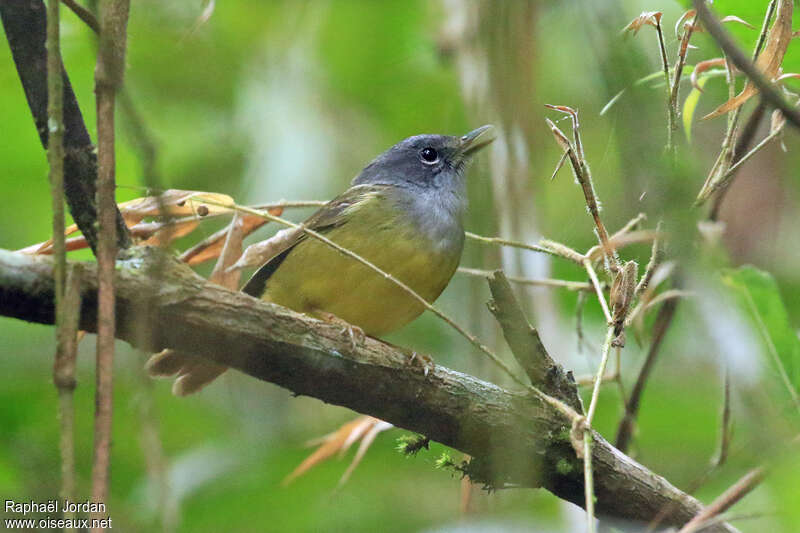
{"points": [[429, 155]]}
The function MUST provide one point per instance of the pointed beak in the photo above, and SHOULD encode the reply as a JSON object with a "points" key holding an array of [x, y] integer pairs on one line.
{"points": [[476, 139]]}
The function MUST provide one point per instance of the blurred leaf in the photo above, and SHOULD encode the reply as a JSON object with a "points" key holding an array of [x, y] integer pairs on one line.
{"points": [[365, 428], [760, 299], [689, 106]]}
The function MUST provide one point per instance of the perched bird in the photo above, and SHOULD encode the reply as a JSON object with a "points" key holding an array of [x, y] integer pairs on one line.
{"points": [[403, 212]]}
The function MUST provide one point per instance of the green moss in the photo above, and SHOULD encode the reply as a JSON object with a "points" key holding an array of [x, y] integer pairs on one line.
{"points": [[564, 467], [410, 445]]}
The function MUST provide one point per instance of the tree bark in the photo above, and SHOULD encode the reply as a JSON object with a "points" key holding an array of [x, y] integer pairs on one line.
{"points": [[515, 439]]}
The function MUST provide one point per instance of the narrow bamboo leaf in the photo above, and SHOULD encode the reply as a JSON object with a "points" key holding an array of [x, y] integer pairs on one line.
{"points": [[758, 294], [689, 106]]}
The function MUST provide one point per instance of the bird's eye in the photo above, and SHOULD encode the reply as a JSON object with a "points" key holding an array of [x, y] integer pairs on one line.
{"points": [[429, 155]]}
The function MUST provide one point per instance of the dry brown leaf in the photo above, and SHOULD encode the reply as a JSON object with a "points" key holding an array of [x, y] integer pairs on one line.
{"points": [[176, 203], [682, 22], [259, 253], [702, 67], [366, 442], [231, 251], [333, 444], [46, 247], [211, 247], [695, 27], [161, 234], [646, 18], [768, 62]]}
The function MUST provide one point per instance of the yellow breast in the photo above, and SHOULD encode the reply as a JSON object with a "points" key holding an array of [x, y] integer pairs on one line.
{"points": [[315, 277]]}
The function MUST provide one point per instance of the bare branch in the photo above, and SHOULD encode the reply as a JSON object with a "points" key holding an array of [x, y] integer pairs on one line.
{"points": [[526, 345], [108, 80]]}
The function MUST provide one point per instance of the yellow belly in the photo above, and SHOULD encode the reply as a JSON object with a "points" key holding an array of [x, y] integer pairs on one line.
{"points": [[315, 277]]}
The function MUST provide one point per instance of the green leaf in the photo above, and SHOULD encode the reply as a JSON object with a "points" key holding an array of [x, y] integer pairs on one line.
{"points": [[758, 295], [689, 105]]}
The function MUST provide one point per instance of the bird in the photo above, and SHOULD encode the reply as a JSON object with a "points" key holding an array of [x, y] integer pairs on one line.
{"points": [[404, 213]]}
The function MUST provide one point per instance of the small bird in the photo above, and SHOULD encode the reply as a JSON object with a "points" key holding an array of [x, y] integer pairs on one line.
{"points": [[403, 212]]}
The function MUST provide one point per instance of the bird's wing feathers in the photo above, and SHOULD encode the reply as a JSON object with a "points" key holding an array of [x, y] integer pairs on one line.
{"points": [[331, 215]]}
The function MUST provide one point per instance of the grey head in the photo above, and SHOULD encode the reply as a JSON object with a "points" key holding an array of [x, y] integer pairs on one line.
{"points": [[426, 161], [426, 178]]}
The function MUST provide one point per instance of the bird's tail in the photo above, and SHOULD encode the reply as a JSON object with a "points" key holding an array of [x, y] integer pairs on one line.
{"points": [[193, 373]]}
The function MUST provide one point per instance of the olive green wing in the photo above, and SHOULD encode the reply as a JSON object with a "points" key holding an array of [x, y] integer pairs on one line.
{"points": [[329, 216]]}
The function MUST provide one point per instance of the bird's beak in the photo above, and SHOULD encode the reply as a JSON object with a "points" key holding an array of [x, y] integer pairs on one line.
{"points": [[476, 139]]}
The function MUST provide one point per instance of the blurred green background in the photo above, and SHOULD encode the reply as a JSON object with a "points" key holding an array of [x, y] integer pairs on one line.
{"points": [[289, 100]]}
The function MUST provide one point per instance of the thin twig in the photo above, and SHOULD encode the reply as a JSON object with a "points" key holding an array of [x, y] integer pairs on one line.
{"points": [[742, 146], [725, 430], [601, 370], [671, 117], [108, 80], [726, 177], [587, 432], [768, 90], [558, 283], [735, 492], [598, 289], [581, 172], [66, 310], [64, 380], [513, 244], [683, 50], [656, 258]]}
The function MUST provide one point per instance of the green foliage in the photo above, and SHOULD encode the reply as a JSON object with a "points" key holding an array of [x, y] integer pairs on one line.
{"points": [[689, 105]]}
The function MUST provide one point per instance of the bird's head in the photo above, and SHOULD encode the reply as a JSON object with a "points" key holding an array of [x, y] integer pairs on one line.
{"points": [[426, 161]]}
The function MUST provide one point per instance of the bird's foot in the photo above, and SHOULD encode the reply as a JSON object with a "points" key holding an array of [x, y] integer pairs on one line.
{"points": [[354, 333], [423, 361]]}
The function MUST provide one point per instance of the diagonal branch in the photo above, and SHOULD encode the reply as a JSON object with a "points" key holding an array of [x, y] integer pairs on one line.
{"points": [[24, 22], [526, 345], [516, 439]]}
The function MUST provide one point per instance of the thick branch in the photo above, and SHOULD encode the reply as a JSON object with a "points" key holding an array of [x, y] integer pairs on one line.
{"points": [[527, 346], [515, 439], [24, 22]]}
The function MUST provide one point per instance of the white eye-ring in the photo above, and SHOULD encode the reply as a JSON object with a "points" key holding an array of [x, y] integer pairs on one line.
{"points": [[429, 156]]}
